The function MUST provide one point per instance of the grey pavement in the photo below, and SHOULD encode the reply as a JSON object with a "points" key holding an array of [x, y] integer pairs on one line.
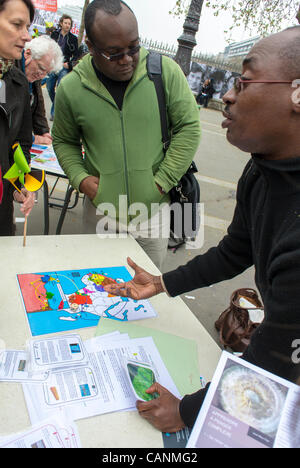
{"points": [[220, 166]]}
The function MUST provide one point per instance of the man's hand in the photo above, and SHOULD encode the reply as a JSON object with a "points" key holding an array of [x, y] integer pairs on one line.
{"points": [[142, 286], [26, 198], [89, 186], [45, 139], [162, 412]]}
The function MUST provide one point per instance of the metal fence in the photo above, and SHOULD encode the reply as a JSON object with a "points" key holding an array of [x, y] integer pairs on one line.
{"points": [[211, 60]]}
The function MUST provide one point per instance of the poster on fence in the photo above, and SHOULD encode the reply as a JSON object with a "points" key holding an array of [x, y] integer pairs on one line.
{"points": [[222, 79], [48, 5], [43, 16]]}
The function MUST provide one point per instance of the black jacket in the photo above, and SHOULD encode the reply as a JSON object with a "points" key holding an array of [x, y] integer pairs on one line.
{"points": [[38, 112], [70, 50], [15, 126], [265, 232]]}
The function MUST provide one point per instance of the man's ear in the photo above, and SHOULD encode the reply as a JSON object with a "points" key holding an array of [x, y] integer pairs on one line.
{"points": [[296, 100], [90, 45], [27, 55]]}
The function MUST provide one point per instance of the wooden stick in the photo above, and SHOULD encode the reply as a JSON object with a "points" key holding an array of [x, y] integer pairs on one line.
{"points": [[25, 232]]}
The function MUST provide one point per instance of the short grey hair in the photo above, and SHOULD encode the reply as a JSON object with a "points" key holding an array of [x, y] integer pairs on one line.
{"points": [[44, 45]]}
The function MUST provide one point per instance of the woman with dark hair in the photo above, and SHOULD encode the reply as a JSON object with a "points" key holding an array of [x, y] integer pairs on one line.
{"points": [[69, 45], [15, 114]]}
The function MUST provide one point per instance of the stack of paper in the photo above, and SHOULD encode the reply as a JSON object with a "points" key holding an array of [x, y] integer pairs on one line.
{"points": [[65, 379], [97, 386]]}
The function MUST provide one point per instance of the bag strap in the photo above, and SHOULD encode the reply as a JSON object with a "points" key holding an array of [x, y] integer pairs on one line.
{"points": [[154, 70], [249, 294]]}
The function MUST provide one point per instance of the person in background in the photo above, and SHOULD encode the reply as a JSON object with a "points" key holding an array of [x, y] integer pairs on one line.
{"points": [[15, 115], [206, 92], [40, 57], [69, 45], [262, 117]]}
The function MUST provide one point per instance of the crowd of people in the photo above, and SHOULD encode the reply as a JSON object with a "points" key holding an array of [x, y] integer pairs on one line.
{"points": [[108, 107]]}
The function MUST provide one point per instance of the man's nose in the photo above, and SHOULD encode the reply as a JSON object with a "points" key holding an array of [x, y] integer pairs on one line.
{"points": [[127, 59], [230, 96]]}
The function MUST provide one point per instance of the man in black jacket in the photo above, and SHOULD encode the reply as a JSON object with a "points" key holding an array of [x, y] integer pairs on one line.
{"points": [[69, 45], [262, 115]]}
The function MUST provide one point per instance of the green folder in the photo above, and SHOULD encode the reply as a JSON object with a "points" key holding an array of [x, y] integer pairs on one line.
{"points": [[180, 355]]}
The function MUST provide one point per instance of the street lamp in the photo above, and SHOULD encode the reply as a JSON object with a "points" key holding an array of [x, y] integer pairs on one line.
{"points": [[187, 40]]}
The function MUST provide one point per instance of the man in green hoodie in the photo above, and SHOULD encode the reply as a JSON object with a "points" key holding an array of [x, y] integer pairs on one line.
{"points": [[108, 106]]}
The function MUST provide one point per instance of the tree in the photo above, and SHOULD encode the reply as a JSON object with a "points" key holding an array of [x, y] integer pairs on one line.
{"points": [[264, 16], [81, 30]]}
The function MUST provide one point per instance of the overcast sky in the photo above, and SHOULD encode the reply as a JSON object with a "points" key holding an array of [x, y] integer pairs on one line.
{"points": [[156, 23]]}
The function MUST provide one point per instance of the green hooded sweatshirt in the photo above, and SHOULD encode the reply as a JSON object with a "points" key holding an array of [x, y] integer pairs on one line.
{"points": [[124, 148]]}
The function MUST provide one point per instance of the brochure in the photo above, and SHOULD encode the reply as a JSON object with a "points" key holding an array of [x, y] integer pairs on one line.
{"points": [[247, 407]]}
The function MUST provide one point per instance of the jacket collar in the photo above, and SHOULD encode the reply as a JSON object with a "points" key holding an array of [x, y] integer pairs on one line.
{"points": [[280, 165]]}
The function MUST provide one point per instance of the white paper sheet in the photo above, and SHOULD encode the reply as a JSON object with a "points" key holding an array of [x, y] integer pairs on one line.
{"points": [[14, 367], [56, 432], [107, 391], [54, 352]]}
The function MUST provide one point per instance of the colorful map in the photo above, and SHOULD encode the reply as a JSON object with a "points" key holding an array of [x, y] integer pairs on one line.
{"points": [[59, 301]]}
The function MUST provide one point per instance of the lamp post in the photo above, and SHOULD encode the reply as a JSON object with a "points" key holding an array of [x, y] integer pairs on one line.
{"points": [[187, 40]]}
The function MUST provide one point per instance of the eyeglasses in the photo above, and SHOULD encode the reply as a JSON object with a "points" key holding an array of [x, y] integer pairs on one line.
{"points": [[116, 57], [239, 83], [41, 69]]}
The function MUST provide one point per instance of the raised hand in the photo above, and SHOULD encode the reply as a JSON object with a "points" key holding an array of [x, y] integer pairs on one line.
{"points": [[142, 286]]}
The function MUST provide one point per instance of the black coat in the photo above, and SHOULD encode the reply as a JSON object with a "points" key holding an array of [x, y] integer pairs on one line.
{"points": [[264, 232], [15, 126], [70, 50], [39, 120]]}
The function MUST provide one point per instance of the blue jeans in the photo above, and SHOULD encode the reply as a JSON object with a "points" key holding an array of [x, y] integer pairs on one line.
{"points": [[52, 82]]}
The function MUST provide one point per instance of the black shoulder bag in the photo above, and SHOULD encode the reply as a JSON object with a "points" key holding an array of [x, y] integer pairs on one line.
{"points": [[185, 218]]}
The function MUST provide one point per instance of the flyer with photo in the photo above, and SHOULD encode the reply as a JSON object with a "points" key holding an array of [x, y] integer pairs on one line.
{"points": [[247, 407]]}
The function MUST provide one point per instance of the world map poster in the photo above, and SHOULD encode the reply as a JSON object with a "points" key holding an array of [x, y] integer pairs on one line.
{"points": [[58, 301]]}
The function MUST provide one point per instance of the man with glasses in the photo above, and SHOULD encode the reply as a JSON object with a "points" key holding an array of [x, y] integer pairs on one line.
{"points": [[262, 117], [108, 105], [40, 57]]}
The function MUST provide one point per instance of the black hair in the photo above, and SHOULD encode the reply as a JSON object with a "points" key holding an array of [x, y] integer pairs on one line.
{"points": [[217, 75], [111, 7], [28, 3]]}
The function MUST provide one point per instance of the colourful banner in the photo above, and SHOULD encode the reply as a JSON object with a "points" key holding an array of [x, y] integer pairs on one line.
{"points": [[48, 5]]}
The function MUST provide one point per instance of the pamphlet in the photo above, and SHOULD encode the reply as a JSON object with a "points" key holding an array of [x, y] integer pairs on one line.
{"points": [[99, 387], [14, 367], [247, 407], [52, 353], [56, 432]]}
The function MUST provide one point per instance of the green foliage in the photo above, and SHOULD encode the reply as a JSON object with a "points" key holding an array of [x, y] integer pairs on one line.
{"points": [[262, 16]]}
